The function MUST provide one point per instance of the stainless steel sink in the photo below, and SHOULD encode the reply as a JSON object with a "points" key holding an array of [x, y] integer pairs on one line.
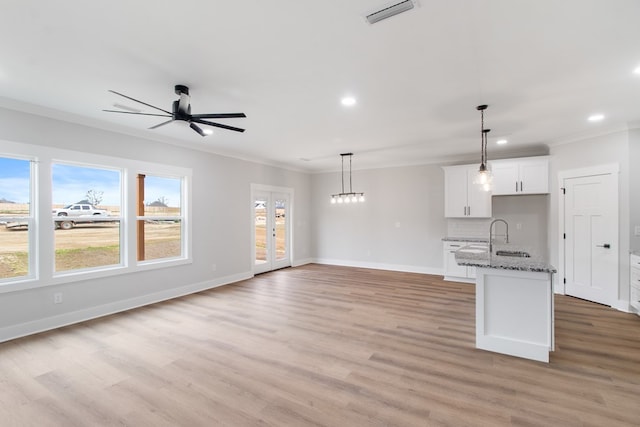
{"points": [[518, 254]]}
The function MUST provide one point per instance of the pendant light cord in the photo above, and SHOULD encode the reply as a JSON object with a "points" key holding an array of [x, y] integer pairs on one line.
{"points": [[342, 174], [483, 144]]}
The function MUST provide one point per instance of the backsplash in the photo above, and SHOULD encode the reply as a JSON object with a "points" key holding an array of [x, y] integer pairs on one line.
{"points": [[467, 227], [527, 218]]}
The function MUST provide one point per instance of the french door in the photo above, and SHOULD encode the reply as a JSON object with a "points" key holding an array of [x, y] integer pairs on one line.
{"points": [[591, 237], [271, 230]]}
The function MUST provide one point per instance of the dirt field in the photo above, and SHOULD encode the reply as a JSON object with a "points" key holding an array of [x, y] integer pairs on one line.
{"points": [[85, 246]]}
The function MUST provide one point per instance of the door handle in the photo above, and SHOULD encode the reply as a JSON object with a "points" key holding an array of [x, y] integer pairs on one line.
{"points": [[606, 246]]}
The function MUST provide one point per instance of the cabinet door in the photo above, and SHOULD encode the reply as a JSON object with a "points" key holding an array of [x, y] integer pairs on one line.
{"points": [[478, 200], [505, 178], [455, 192], [451, 267], [534, 176]]}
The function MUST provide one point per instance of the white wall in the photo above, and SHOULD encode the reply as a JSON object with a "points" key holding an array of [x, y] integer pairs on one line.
{"points": [[602, 150], [222, 223], [400, 226], [634, 188]]}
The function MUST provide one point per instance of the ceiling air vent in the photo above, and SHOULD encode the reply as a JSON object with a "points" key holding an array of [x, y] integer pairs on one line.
{"points": [[390, 11]]}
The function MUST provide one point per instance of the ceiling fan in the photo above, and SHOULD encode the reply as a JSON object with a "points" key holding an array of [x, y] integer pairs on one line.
{"points": [[182, 111]]}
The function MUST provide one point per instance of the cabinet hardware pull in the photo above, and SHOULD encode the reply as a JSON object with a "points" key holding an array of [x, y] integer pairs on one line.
{"points": [[516, 186], [520, 185], [606, 246]]}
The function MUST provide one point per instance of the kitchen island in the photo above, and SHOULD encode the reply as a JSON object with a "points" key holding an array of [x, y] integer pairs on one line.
{"points": [[514, 302]]}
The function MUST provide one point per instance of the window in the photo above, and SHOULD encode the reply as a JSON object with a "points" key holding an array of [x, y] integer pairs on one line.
{"points": [[160, 219], [16, 218], [70, 216], [86, 215]]}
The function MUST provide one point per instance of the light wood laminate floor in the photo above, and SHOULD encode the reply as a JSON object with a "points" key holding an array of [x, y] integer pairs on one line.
{"points": [[321, 346]]}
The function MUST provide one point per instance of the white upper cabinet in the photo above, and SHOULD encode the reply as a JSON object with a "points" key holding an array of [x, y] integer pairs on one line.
{"points": [[527, 175], [463, 198]]}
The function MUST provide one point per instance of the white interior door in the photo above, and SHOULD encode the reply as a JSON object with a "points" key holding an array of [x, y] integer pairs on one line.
{"points": [[591, 237], [271, 231]]}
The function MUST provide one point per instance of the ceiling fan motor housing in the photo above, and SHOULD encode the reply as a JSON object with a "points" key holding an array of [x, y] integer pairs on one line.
{"points": [[180, 115], [180, 89]]}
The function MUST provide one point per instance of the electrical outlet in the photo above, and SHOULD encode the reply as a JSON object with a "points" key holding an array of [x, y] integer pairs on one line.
{"points": [[57, 298], [637, 230], [519, 226], [214, 267]]}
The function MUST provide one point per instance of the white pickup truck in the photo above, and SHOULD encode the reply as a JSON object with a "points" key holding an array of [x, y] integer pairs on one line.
{"points": [[80, 209], [70, 216]]}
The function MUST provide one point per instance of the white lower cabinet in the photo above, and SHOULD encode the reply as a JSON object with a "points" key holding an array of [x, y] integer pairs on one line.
{"points": [[634, 281], [453, 271]]}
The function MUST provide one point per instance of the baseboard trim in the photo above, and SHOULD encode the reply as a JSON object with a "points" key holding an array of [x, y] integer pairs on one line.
{"points": [[381, 266], [65, 319], [299, 262]]}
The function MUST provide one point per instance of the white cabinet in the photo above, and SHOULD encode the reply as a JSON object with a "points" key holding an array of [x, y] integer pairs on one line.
{"points": [[463, 198], [453, 271], [634, 281], [527, 175]]}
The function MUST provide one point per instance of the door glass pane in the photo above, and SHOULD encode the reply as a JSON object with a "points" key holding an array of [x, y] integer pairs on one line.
{"points": [[281, 229], [260, 217]]}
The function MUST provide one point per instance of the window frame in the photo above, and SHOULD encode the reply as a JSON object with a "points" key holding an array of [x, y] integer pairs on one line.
{"points": [[41, 238], [32, 241], [184, 253]]}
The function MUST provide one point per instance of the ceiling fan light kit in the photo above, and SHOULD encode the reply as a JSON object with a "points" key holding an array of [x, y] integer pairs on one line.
{"points": [[483, 177], [350, 197], [181, 111]]}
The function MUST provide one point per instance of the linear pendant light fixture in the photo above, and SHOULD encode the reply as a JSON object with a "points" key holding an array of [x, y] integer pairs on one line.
{"points": [[349, 197], [389, 11], [483, 176]]}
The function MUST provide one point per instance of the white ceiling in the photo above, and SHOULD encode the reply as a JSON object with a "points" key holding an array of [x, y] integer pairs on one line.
{"points": [[542, 66]]}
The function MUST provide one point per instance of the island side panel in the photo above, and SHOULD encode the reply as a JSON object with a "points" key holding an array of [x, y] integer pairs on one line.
{"points": [[514, 313]]}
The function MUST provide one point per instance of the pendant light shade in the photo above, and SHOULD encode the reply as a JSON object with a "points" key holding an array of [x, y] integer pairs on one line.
{"points": [[483, 176], [350, 197]]}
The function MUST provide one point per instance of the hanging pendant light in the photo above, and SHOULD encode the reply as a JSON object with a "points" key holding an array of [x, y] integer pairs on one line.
{"points": [[349, 197], [483, 176]]}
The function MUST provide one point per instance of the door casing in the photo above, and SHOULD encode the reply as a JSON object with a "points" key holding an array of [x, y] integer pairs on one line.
{"points": [[256, 190], [613, 170]]}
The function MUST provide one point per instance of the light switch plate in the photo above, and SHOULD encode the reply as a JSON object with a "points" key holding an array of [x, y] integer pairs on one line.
{"points": [[637, 230]]}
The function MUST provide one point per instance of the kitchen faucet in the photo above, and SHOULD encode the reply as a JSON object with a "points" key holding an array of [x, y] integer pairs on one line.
{"points": [[506, 236]]}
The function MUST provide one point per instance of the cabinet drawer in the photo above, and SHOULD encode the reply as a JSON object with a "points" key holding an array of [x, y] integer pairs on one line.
{"points": [[635, 297], [454, 246]]}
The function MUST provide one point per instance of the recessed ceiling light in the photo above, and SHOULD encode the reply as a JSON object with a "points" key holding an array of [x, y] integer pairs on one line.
{"points": [[207, 131], [596, 117], [348, 101], [637, 70], [501, 141]]}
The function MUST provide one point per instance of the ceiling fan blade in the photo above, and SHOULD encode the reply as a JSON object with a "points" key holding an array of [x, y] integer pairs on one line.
{"points": [[139, 114], [218, 116], [139, 102], [197, 129], [219, 125], [161, 124]]}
